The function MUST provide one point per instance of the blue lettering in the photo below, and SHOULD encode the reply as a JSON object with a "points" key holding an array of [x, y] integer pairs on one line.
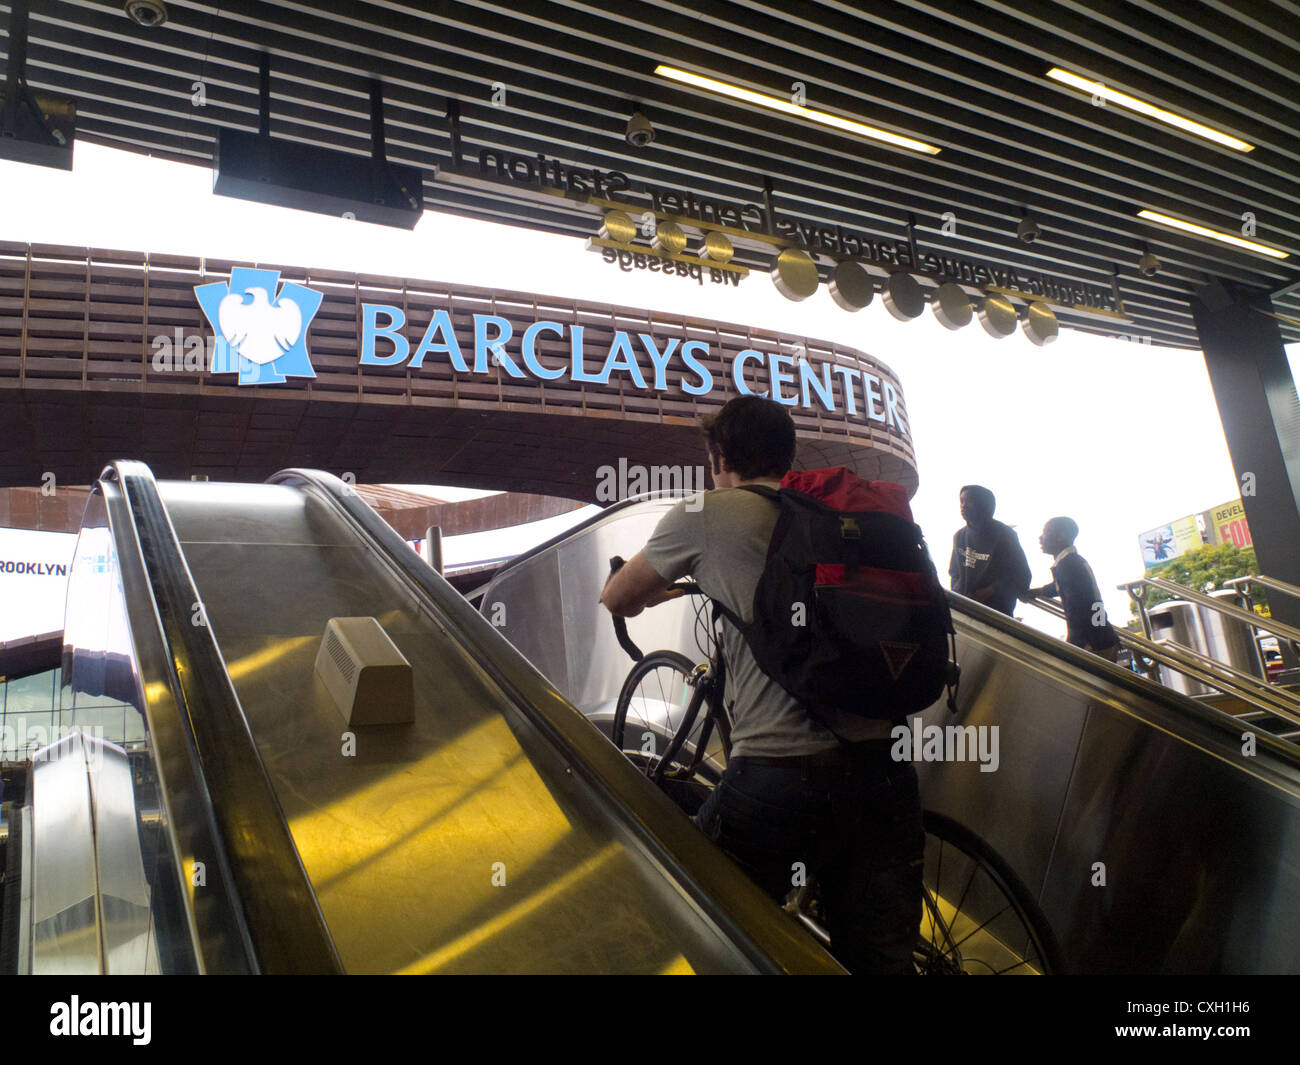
{"points": [[579, 372], [660, 361], [370, 329], [891, 403], [778, 377], [706, 379], [738, 371], [620, 358], [869, 383], [821, 385], [497, 344], [846, 380], [440, 323], [529, 348]]}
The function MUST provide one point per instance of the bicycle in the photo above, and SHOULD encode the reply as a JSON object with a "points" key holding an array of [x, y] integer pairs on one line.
{"points": [[981, 919]]}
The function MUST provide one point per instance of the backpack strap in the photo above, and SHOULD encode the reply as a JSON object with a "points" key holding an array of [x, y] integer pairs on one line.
{"points": [[782, 527]]}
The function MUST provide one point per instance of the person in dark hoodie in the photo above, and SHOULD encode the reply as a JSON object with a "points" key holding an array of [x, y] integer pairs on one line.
{"points": [[1086, 625], [988, 564]]}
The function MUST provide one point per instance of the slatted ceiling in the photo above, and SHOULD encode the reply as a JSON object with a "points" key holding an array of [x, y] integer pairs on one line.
{"points": [[965, 75]]}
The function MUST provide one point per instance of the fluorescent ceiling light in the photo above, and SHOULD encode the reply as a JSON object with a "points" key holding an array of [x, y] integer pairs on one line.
{"points": [[1097, 90], [775, 103], [1213, 234]]}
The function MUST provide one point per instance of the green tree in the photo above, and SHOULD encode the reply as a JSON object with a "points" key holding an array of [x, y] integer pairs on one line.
{"points": [[1211, 564]]}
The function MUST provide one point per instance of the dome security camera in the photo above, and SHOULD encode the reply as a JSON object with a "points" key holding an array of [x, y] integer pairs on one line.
{"points": [[639, 131], [1028, 230], [146, 13], [1148, 265]]}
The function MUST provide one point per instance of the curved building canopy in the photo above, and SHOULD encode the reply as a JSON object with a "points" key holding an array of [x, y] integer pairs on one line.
{"points": [[395, 380]]}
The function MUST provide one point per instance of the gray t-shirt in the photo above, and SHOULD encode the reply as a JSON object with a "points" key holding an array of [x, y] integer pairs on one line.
{"points": [[722, 543]]}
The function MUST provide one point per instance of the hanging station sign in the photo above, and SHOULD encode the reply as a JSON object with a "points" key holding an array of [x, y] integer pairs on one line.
{"points": [[679, 234]]}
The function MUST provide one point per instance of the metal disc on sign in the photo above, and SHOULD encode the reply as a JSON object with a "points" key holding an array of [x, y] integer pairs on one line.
{"points": [[1040, 324], [951, 306], [851, 286], [670, 238], [998, 316], [618, 227], [794, 273], [903, 297], [717, 248]]}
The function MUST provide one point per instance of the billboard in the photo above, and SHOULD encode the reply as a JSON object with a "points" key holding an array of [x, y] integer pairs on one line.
{"points": [[1226, 524], [1169, 541]]}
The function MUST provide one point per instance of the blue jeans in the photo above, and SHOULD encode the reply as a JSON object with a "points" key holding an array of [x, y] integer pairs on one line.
{"points": [[857, 830]]}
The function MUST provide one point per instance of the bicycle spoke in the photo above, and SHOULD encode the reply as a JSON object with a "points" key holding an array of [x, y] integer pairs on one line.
{"points": [[982, 924]]}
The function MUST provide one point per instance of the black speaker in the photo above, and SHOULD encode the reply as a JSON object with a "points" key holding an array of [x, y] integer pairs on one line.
{"points": [[250, 166]]}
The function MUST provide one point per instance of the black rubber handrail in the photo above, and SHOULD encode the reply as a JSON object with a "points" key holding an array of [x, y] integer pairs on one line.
{"points": [[281, 924]]}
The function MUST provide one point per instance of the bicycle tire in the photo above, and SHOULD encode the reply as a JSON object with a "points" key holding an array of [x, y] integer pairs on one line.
{"points": [[1041, 953], [658, 729]]}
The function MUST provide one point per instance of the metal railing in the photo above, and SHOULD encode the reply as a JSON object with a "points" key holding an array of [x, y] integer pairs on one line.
{"points": [[1266, 699]]}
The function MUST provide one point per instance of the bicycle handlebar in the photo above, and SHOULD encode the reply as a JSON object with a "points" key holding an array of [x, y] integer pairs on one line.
{"points": [[620, 623]]}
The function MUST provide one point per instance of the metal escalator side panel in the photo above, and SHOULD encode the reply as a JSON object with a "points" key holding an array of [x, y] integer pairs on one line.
{"points": [[249, 903], [498, 762], [65, 918], [112, 651], [90, 901], [1150, 839]]}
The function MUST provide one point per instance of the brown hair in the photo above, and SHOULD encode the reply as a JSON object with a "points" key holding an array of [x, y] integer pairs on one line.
{"points": [[754, 435]]}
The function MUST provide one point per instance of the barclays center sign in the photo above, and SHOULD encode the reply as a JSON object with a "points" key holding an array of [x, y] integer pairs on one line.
{"points": [[260, 333]]}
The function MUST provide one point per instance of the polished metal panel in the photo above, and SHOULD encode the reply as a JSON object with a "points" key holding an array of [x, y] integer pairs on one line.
{"points": [[618, 227], [851, 286], [466, 841], [794, 273], [112, 620], [717, 248], [24, 966], [128, 945], [1199, 841], [1229, 639], [998, 316], [270, 905], [91, 911], [903, 297], [669, 238], [1179, 623], [65, 915], [952, 307], [1040, 324]]}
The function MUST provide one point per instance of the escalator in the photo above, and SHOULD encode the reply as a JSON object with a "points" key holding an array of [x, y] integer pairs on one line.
{"points": [[1156, 832], [238, 824]]}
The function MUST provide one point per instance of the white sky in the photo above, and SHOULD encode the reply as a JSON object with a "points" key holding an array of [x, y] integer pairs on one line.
{"points": [[1120, 437]]}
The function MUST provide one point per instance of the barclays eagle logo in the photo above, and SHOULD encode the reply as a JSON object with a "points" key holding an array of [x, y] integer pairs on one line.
{"points": [[263, 339]]}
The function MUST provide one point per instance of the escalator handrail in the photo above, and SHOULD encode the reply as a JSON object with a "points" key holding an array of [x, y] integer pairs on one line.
{"points": [[750, 921], [1225, 679], [1277, 628], [268, 886], [1166, 699], [1184, 705]]}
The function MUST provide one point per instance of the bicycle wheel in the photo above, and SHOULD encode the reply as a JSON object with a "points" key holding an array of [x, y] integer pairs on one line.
{"points": [[653, 706], [978, 917]]}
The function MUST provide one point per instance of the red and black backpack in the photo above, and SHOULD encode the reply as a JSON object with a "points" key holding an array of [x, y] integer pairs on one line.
{"points": [[849, 613]]}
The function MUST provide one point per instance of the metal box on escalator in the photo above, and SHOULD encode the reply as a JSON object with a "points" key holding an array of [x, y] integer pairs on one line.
{"points": [[367, 676]]}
